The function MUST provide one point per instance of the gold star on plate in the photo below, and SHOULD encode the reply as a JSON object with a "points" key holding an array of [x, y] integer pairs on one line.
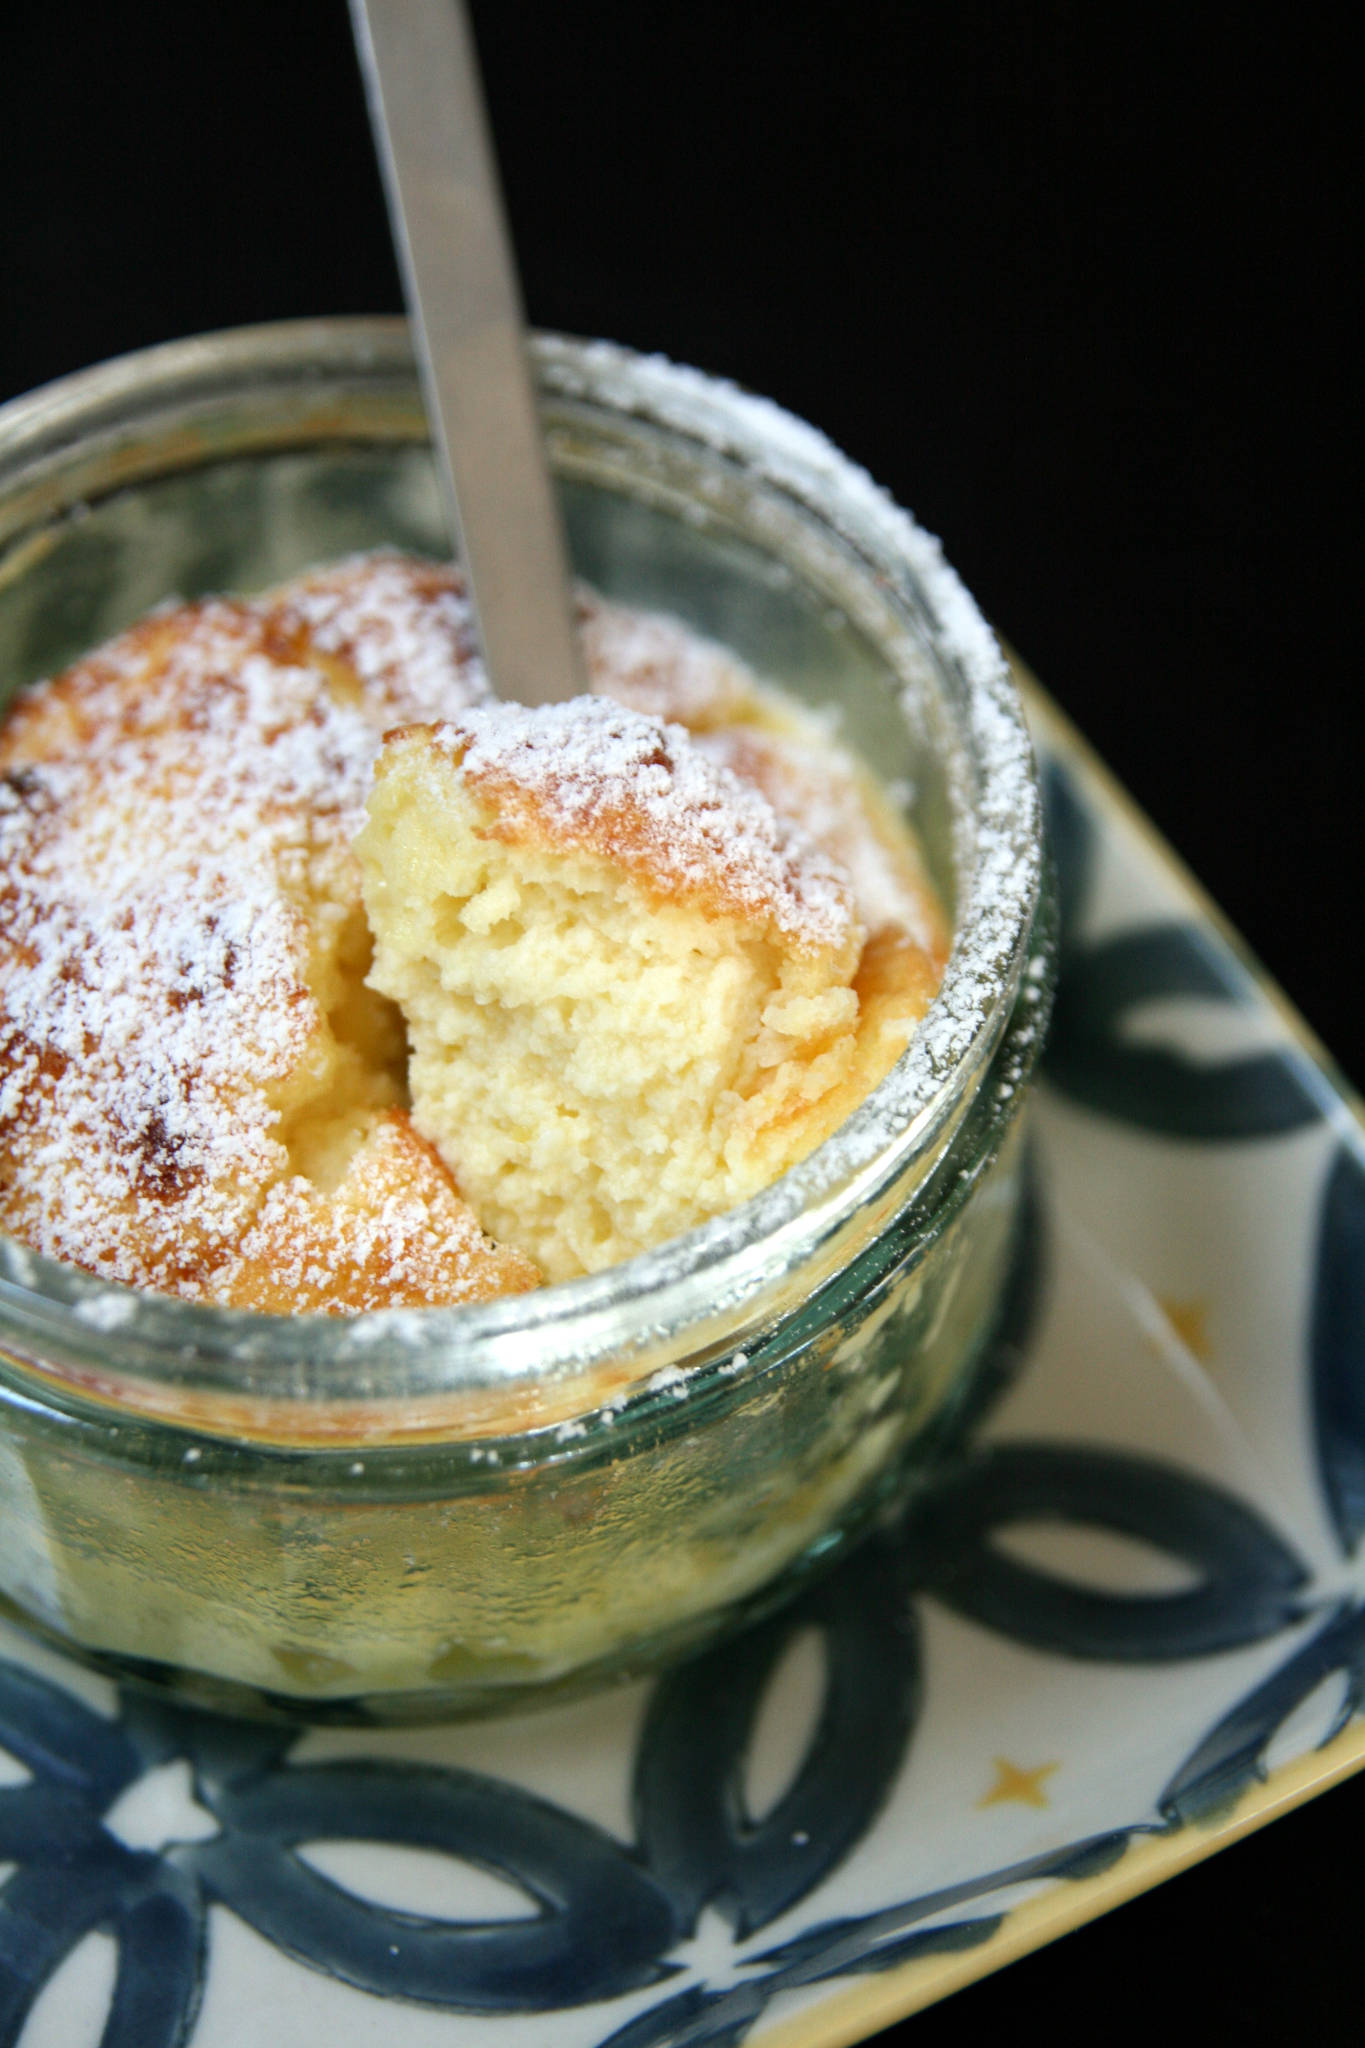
{"points": [[1024, 1787], [1190, 1321]]}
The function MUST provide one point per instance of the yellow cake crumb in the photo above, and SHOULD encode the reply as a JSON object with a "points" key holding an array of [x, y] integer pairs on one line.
{"points": [[635, 990]]}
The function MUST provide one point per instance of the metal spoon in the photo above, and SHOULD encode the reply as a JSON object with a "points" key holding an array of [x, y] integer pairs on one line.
{"points": [[459, 279]]}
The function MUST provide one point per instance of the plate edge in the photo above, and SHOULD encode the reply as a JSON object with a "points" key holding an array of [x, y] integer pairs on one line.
{"points": [[1066, 1905]]}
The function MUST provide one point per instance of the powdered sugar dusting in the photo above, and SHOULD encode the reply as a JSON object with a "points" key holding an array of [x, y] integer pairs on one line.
{"points": [[393, 1228], [837, 804], [176, 815], [655, 664], [638, 790], [406, 627]]}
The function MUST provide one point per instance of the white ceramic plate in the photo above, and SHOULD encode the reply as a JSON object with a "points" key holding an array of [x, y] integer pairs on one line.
{"points": [[1126, 1626]]}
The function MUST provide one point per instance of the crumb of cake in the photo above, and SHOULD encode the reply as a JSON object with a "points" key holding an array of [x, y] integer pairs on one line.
{"points": [[631, 983]]}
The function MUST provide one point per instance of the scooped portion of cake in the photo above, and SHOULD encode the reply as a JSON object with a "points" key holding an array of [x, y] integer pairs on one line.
{"points": [[631, 980]]}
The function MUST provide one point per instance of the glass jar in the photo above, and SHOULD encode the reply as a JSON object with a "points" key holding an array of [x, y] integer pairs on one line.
{"points": [[443, 1510]]}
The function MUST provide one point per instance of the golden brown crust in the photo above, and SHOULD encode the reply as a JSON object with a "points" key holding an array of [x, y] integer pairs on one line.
{"points": [[628, 789], [394, 1231]]}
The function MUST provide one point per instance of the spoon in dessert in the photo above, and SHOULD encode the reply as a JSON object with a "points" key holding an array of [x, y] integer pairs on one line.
{"points": [[459, 279]]}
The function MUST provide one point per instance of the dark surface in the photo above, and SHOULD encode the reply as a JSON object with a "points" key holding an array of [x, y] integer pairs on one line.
{"points": [[1258, 1944], [1071, 281]]}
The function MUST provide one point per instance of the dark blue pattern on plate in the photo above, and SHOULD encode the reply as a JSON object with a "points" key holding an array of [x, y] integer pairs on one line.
{"points": [[74, 1876], [1337, 1347], [691, 1821], [1105, 982], [1250, 1580], [1232, 1755], [602, 1926], [702, 2018], [608, 1916]]}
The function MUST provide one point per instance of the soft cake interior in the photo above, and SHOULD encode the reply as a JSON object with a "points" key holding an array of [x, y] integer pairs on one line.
{"points": [[614, 1034]]}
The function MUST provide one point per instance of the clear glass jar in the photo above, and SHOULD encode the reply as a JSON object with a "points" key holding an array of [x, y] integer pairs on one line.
{"points": [[442, 1510]]}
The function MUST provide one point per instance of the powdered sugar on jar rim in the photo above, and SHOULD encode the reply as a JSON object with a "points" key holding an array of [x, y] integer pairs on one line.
{"points": [[996, 800]]}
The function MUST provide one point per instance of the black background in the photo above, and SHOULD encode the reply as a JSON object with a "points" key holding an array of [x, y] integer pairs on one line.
{"points": [[1069, 279]]}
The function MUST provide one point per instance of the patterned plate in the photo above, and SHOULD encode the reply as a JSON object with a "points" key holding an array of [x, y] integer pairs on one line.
{"points": [[1126, 1625]]}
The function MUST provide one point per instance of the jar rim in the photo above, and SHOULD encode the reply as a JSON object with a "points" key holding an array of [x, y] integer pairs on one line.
{"points": [[51, 1310]]}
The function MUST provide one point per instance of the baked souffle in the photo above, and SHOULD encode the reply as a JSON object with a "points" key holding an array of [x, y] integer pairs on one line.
{"points": [[580, 978]]}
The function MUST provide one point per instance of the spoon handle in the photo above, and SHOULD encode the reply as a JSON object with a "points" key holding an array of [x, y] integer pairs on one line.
{"points": [[459, 278]]}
